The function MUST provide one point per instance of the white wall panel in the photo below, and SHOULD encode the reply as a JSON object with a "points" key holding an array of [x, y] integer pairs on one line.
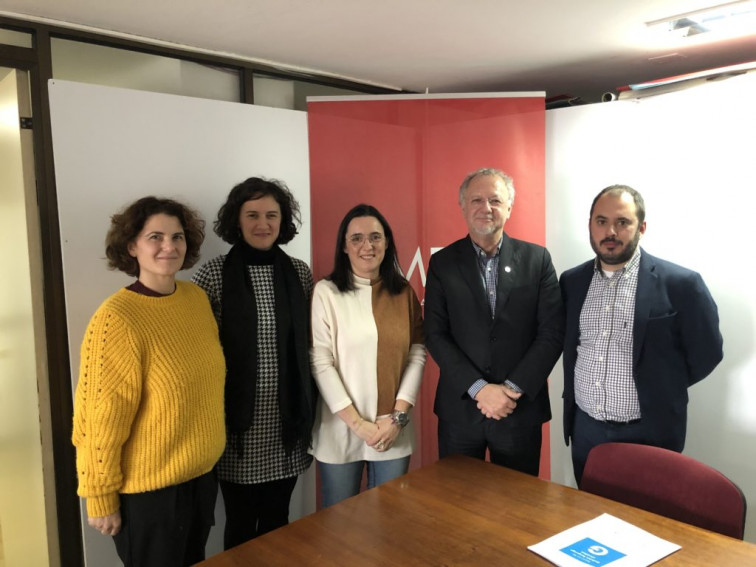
{"points": [[113, 146], [690, 154]]}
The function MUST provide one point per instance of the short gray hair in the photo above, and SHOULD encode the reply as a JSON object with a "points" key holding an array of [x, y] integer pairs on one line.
{"points": [[508, 182]]}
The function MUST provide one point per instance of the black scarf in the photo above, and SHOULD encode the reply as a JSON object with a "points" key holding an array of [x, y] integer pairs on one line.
{"points": [[238, 333]]}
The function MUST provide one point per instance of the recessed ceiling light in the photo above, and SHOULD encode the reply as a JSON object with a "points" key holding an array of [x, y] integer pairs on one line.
{"points": [[724, 20]]}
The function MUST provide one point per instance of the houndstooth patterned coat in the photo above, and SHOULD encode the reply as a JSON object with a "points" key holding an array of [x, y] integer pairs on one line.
{"points": [[263, 458]]}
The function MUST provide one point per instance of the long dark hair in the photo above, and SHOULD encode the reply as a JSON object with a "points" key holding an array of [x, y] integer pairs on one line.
{"points": [[390, 272]]}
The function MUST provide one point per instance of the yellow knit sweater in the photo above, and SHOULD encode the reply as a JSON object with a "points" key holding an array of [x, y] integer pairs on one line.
{"points": [[148, 411]]}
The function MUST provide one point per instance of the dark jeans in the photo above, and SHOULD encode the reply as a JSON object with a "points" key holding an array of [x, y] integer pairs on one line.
{"points": [[167, 527], [588, 432], [517, 448], [255, 509]]}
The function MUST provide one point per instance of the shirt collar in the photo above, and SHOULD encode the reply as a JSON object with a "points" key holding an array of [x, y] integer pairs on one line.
{"points": [[480, 252]]}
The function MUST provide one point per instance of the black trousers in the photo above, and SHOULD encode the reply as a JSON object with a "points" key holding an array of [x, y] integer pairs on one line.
{"points": [[255, 509], [167, 527], [517, 448]]}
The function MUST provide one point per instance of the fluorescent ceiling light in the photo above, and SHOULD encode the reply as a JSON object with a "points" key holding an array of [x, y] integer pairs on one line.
{"points": [[725, 20]]}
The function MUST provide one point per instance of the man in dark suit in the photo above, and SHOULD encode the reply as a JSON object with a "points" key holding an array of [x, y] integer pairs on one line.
{"points": [[640, 330], [494, 323]]}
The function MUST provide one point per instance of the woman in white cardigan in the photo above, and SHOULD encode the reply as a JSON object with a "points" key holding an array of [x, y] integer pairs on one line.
{"points": [[367, 359]]}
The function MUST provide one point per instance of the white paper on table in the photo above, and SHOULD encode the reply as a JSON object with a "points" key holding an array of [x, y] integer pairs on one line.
{"points": [[605, 540]]}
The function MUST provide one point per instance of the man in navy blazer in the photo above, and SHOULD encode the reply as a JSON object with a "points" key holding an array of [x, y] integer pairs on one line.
{"points": [[640, 331], [494, 324]]}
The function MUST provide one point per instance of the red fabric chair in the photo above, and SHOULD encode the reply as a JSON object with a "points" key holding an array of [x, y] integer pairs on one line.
{"points": [[667, 483]]}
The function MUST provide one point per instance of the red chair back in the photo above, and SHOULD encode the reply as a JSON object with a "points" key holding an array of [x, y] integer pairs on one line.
{"points": [[666, 483]]}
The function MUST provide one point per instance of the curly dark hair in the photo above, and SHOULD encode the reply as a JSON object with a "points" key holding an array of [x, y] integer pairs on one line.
{"points": [[227, 224], [126, 225], [390, 271]]}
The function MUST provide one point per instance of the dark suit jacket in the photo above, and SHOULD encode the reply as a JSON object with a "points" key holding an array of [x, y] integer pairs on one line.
{"points": [[676, 342], [521, 343]]}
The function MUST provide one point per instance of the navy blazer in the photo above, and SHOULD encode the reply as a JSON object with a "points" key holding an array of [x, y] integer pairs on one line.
{"points": [[676, 342], [521, 343]]}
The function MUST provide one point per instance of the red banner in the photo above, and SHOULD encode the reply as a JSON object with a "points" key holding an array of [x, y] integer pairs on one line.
{"points": [[407, 157]]}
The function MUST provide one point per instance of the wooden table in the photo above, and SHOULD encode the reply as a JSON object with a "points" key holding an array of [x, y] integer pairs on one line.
{"points": [[461, 511]]}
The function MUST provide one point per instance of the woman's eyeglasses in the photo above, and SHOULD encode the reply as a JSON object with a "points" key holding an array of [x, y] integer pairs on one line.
{"points": [[357, 240]]}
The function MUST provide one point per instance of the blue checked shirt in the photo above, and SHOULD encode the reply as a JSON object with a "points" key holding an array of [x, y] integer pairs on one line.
{"points": [[604, 385]]}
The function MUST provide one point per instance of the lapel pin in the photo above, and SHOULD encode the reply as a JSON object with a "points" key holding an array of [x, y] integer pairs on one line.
{"points": [[507, 269]]}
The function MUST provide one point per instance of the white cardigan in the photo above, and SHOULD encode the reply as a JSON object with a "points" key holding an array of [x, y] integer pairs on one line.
{"points": [[344, 364]]}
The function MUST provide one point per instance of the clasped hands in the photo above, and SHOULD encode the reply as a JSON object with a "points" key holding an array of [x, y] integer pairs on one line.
{"points": [[379, 435], [496, 401]]}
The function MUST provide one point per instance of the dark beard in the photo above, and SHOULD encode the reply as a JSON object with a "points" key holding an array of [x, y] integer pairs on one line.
{"points": [[619, 258]]}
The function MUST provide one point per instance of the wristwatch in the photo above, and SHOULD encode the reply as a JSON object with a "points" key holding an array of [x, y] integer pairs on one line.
{"points": [[400, 418]]}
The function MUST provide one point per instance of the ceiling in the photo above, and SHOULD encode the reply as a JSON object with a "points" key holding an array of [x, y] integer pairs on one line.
{"points": [[580, 48]]}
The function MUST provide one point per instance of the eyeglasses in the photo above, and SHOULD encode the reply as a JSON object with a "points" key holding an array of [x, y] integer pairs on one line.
{"points": [[374, 238]]}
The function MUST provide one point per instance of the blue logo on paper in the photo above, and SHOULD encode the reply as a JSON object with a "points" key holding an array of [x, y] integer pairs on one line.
{"points": [[591, 552]]}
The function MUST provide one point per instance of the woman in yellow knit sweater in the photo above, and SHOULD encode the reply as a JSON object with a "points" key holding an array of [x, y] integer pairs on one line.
{"points": [[148, 412]]}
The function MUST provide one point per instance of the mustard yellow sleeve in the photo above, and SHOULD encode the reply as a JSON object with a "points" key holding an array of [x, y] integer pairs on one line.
{"points": [[107, 398]]}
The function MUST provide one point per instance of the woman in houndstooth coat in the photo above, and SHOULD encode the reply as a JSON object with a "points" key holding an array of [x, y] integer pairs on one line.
{"points": [[260, 297]]}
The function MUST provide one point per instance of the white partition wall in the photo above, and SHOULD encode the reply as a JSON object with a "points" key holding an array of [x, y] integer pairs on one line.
{"points": [[112, 146], [690, 154]]}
